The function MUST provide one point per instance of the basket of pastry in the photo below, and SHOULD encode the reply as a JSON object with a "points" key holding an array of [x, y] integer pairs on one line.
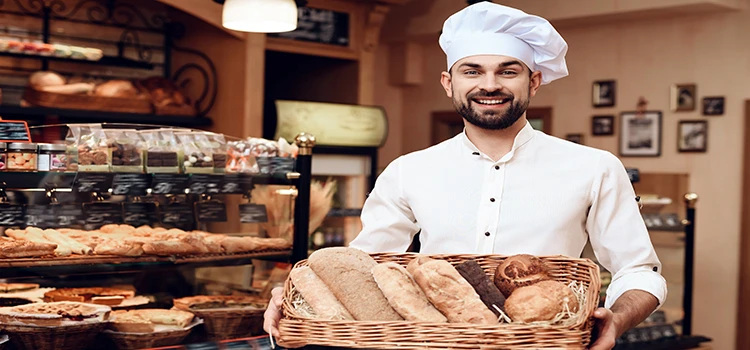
{"points": [[148, 328], [226, 316], [112, 297], [49, 89], [346, 297], [54, 326]]}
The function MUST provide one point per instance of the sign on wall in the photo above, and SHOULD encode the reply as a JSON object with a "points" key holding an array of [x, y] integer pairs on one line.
{"points": [[319, 26]]}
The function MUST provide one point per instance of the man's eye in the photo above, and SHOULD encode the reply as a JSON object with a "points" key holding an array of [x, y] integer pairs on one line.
{"points": [[508, 72], [471, 72]]}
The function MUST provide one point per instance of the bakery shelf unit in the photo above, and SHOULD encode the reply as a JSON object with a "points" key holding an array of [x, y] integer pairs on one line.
{"points": [[54, 184], [134, 42]]}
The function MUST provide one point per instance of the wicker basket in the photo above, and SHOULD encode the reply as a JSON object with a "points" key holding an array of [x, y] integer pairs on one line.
{"points": [[223, 324], [124, 340], [87, 102], [298, 331], [74, 337]]}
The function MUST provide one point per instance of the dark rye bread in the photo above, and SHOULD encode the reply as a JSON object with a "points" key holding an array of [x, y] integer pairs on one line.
{"points": [[488, 292], [347, 273]]}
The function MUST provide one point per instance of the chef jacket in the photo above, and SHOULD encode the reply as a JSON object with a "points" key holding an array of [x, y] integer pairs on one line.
{"points": [[546, 196]]}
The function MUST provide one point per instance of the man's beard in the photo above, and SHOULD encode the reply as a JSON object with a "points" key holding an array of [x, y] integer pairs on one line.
{"points": [[490, 120]]}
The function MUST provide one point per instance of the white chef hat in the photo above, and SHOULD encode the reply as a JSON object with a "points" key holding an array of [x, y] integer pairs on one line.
{"points": [[486, 28]]}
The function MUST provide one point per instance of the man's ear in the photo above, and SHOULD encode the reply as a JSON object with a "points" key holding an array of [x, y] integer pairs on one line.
{"points": [[534, 83], [445, 80]]}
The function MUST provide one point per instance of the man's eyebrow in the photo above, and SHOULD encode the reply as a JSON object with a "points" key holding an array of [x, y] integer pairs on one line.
{"points": [[510, 63], [470, 65]]}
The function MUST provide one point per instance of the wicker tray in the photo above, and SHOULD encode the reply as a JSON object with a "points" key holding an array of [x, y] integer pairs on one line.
{"points": [[223, 324], [74, 337], [124, 340], [298, 331], [87, 102]]}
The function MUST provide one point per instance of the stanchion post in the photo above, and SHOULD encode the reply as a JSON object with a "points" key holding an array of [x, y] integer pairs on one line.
{"points": [[305, 142], [687, 298]]}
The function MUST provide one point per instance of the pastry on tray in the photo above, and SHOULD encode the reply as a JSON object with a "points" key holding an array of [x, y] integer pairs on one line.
{"points": [[149, 320], [207, 302], [95, 295], [55, 313]]}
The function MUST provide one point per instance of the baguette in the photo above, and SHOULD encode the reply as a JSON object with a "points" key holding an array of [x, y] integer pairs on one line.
{"points": [[317, 294], [404, 295], [347, 272], [452, 294], [165, 248], [74, 246]]}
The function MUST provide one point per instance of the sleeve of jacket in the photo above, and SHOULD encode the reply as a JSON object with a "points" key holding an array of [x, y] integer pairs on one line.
{"points": [[619, 236], [388, 224]]}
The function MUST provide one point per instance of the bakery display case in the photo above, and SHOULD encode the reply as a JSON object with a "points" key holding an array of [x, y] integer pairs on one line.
{"points": [[104, 253]]}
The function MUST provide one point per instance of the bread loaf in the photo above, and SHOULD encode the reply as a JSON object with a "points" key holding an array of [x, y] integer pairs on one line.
{"points": [[520, 270], [452, 294], [317, 294], [414, 263], [488, 292], [404, 294], [347, 273], [540, 302]]}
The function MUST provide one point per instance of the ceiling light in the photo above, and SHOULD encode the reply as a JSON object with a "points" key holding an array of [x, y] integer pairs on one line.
{"points": [[260, 16]]}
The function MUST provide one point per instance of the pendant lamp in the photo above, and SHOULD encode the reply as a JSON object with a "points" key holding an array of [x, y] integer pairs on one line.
{"points": [[260, 16]]}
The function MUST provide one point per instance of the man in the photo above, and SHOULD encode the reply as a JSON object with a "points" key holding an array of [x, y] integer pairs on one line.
{"points": [[501, 187]]}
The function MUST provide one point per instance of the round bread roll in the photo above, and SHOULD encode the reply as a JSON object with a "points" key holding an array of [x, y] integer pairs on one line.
{"points": [[116, 88], [518, 271], [540, 302], [39, 80]]}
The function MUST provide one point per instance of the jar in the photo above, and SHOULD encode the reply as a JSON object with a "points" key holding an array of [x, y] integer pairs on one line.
{"points": [[22, 156], [3, 156], [52, 157]]}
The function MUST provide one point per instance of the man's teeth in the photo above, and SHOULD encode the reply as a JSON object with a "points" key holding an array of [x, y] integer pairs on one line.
{"points": [[490, 102]]}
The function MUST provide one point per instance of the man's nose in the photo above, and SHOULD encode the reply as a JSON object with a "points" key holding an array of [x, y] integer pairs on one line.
{"points": [[490, 83]]}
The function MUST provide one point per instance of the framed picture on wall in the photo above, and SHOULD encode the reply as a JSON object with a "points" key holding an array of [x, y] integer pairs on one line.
{"points": [[604, 93], [603, 125], [713, 106], [640, 134], [692, 136], [575, 138], [683, 97]]}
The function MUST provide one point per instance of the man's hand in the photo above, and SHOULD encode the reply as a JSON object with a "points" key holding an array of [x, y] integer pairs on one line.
{"points": [[273, 313], [606, 330]]}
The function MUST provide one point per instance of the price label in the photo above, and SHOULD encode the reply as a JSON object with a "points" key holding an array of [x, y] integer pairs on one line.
{"points": [[205, 184], [14, 131], [139, 214], [12, 215], [92, 182], [130, 184], [236, 184], [169, 183], [211, 211], [54, 216], [253, 213], [100, 214], [177, 214]]}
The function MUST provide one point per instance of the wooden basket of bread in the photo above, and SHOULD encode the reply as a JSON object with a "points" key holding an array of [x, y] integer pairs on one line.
{"points": [[49, 89], [348, 298], [149, 328], [226, 316]]}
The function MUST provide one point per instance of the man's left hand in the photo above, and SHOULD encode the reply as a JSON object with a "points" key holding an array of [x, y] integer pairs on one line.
{"points": [[606, 330]]}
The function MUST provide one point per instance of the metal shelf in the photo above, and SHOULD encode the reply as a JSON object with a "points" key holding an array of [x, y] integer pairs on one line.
{"points": [[112, 61], [75, 115]]}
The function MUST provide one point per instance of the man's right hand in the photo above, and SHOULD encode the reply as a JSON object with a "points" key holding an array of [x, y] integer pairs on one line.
{"points": [[273, 312]]}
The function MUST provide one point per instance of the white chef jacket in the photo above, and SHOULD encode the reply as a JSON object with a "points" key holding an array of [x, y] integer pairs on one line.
{"points": [[547, 196]]}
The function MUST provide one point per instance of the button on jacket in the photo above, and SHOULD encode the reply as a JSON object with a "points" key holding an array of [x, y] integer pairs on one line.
{"points": [[547, 196]]}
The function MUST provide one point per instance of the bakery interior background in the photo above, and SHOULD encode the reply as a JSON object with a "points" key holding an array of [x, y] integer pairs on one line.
{"points": [[665, 52]]}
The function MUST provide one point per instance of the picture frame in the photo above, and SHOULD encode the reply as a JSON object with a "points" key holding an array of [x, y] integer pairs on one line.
{"points": [[640, 134], [604, 93], [575, 138], [683, 97], [713, 105], [692, 136], [603, 125]]}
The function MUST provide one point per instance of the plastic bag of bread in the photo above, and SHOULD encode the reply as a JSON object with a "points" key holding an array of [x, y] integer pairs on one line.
{"points": [[160, 151], [198, 157], [93, 149], [219, 150], [126, 146]]}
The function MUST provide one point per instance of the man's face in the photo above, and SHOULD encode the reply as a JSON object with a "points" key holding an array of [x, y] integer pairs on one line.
{"points": [[491, 92]]}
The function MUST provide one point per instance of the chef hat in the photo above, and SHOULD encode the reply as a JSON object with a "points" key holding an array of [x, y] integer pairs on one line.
{"points": [[486, 28]]}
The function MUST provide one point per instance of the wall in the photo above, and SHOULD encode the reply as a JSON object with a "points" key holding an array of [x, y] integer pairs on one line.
{"points": [[645, 57]]}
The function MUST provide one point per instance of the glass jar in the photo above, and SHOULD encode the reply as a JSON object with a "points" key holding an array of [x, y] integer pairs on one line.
{"points": [[52, 157], [22, 156], [3, 156]]}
